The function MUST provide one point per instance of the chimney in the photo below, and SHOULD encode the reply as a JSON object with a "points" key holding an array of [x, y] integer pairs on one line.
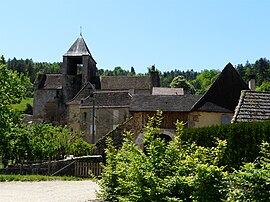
{"points": [[252, 82], [154, 76]]}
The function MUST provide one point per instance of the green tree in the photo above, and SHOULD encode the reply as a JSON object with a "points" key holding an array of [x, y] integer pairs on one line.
{"points": [[204, 80], [12, 91], [181, 82], [264, 87]]}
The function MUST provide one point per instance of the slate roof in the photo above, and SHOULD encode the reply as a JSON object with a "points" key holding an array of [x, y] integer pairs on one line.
{"points": [[252, 106], [51, 82], [108, 99], [85, 91], [167, 91], [165, 103], [78, 48], [125, 82], [224, 93]]}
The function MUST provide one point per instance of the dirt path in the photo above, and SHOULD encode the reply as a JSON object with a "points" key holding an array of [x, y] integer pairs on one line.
{"points": [[48, 191]]}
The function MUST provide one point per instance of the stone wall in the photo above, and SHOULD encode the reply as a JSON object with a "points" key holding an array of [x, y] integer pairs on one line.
{"points": [[117, 136], [106, 119], [47, 104]]}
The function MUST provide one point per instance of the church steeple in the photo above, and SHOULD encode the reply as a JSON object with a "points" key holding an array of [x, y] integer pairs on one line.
{"points": [[79, 67], [78, 48]]}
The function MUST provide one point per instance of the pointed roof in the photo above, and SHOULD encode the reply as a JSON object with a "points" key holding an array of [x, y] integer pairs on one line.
{"points": [[85, 91], [78, 48], [224, 93]]}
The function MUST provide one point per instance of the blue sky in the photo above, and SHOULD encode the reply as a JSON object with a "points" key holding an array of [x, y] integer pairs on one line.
{"points": [[172, 34]]}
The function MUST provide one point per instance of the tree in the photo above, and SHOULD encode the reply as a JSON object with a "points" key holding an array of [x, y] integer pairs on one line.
{"points": [[132, 71], [12, 91], [264, 87], [181, 82], [204, 80]]}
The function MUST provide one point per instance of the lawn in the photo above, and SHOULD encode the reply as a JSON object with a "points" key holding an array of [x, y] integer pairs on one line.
{"points": [[22, 105], [5, 178]]}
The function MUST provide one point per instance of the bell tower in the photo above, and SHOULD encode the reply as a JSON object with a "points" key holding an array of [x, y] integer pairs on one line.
{"points": [[79, 67]]}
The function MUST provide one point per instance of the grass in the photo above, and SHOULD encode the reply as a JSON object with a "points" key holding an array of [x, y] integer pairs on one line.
{"points": [[22, 105], [31, 178]]}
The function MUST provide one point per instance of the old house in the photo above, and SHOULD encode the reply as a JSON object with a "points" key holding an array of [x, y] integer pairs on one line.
{"points": [[103, 112], [84, 101], [53, 91], [215, 107]]}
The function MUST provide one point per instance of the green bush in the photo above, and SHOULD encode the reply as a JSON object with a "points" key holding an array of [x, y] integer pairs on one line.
{"points": [[163, 172], [180, 170], [42, 142], [243, 140]]}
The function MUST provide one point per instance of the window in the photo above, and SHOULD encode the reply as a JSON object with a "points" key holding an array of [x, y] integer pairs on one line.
{"points": [[84, 116], [225, 119]]}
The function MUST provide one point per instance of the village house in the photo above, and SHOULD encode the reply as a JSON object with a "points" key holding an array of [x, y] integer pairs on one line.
{"points": [[97, 105], [84, 101], [215, 107]]}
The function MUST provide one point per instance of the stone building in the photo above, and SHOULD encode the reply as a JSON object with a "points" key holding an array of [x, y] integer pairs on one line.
{"points": [[215, 107], [84, 101]]}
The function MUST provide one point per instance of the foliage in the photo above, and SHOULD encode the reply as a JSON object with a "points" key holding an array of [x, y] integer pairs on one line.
{"points": [[243, 140], [29, 68], [81, 148], [22, 106], [264, 87], [204, 80], [12, 91], [117, 71], [181, 82], [252, 181], [23, 178], [163, 172], [167, 76], [42, 142]]}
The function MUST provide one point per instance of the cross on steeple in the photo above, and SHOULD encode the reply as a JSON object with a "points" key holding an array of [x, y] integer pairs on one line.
{"points": [[80, 30]]}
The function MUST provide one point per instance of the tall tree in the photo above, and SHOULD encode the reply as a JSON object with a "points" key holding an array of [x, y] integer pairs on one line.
{"points": [[181, 82], [12, 91]]}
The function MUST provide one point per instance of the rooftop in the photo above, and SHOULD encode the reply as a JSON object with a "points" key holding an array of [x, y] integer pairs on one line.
{"points": [[51, 82], [108, 99], [165, 103], [78, 48], [224, 93], [125, 82], [252, 106]]}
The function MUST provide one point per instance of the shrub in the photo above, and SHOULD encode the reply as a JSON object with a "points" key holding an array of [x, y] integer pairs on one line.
{"points": [[163, 172], [243, 140]]}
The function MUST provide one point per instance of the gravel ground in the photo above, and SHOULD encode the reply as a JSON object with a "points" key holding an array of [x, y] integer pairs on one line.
{"points": [[48, 191]]}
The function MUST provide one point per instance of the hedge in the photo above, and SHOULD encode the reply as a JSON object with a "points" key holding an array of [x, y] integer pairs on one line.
{"points": [[243, 140]]}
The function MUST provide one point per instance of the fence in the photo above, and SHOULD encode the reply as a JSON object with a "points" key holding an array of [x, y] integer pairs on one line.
{"points": [[84, 166]]}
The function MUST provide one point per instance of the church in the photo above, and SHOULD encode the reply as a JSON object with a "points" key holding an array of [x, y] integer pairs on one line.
{"points": [[83, 100]]}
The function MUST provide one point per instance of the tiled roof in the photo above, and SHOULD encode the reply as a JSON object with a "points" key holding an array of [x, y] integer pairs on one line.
{"points": [[108, 99], [252, 106], [169, 103], [167, 91], [51, 81], [224, 92], [85, 91], [78, 48], [125, 82]]}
